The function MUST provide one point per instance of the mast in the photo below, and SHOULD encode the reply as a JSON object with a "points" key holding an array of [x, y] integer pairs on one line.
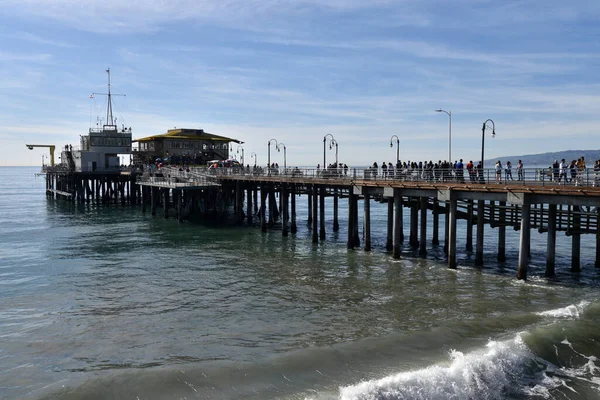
{"points": [[109, 114]]}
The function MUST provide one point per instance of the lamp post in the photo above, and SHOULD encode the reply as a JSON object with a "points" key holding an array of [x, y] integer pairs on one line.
{"points": [[269, 154], [397, 147], [253, 154], [483, 136], [449, 133], [279, 145], [332, 141], [238, 152]]}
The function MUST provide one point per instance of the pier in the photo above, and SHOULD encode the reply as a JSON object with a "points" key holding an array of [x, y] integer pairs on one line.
{"points": [[532, 203]]}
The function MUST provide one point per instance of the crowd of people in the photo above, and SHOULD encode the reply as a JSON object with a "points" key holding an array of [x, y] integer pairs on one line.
{"points": [[573, 172]]}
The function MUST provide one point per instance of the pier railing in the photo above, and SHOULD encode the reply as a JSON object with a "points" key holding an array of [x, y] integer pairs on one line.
{"points": [[200, 176]]}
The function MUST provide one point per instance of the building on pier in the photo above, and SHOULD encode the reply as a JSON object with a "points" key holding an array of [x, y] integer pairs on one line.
{"points": [[182, 146]]}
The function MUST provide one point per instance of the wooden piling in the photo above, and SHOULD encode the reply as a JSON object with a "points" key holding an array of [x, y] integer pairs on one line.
{"points": [[414, 223], [524, 243], [322, 213], [397, 223], [502, 232], [336, 224], [451, 224], [315, 203], [576, 240], [367, 221], [480, 229], [469, 225], [436, 223], [390, 224], [423, 238], [551, 241]]}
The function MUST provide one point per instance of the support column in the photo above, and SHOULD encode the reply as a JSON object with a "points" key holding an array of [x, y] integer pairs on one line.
{"points": [[355, 218], [397, 223], [390, 224], [452, 234], [315, 203], [153, 200], [524, 244], [576, 240], [480, 230], [336, 224], [367, 220], [179, 203], [597, 264], [436, 223], [255, 196], [310, 207], [283, 199], [322, 213], [469, 225], [423, 233], [350, 243], [414, 223], [447, 228], [166, 201], [293, 228], [502, 232], [249, 205], [263, 208], [551, 243]]}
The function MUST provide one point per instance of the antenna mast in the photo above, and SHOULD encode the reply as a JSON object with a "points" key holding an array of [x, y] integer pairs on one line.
{"points": [[109, 114]]}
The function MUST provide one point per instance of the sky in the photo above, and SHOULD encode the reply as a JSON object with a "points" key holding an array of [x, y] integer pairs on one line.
{"points": [[295, 71]]}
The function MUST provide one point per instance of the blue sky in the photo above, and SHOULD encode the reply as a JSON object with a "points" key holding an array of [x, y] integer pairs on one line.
{"points": [[295, 71]]}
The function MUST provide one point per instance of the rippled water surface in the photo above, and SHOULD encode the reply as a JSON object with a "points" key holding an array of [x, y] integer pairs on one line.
{"points": [[108, 302]]}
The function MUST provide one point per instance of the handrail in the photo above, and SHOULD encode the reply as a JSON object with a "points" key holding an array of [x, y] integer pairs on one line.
{"points": [[526, 176]]}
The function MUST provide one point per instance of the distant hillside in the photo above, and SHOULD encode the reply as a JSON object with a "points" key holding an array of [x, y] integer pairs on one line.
{"points": [[546, 159]]}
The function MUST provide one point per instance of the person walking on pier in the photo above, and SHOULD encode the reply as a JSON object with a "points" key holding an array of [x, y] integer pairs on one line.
{"points": [[460, 177], [384, 170], [520, 170], [480, 176], [508, 172], [573, 168], [498, 168], [562, 167], [580, 171]]}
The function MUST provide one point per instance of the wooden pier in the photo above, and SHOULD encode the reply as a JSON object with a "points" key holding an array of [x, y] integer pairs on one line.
{"points": [[520, 205]]}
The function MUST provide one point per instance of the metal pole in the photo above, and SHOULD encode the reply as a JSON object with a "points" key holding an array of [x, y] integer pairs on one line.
{"points": [[450, 137], [482, 145]]}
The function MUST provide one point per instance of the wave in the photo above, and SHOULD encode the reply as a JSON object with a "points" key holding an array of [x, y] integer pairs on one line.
{"points": [[541, 363], [571, 311]]}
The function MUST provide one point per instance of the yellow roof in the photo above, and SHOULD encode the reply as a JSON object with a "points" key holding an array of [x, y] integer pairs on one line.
{"points": [[188, 134]]}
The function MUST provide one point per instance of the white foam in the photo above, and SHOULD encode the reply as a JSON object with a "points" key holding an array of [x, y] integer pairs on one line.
{"points": [[500, 370], [572, 311], [487, 373]]}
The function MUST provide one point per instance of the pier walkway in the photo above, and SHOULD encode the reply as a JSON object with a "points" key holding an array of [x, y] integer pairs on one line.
{"points": [[536, 201]]}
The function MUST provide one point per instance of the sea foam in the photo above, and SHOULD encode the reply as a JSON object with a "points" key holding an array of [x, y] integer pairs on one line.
{"points": [[572, 311]]}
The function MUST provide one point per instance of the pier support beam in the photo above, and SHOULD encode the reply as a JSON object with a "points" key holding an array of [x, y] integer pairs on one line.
{"points": [[414, 223], [551, 243], [436, 223], [336, 224], [283, 199], [249, 209], [469, 226], [502, 232], [309, 219], [315, 203], [322, 213], [446, 227], [367, 221], [576, 240], [166, 201], [293, 228], [355, 218], [390, 224], [524, 243], [423, 238], [597, 264], [397, 223], [263, 208], [452, 234], [351, 222], [480, 228]]}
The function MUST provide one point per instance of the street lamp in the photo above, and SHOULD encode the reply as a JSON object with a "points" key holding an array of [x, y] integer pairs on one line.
{"points": [[449, 133], [253, 154], [269, 154], [284, 155], [397, 147], [332, 141], [483, 136], [238, 152]]}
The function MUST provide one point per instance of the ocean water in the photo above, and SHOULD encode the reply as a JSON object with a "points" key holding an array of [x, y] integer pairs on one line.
{"points": [[104, 302]]}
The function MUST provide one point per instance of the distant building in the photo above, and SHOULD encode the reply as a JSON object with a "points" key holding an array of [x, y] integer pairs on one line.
{"points": [[182, 146]]}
